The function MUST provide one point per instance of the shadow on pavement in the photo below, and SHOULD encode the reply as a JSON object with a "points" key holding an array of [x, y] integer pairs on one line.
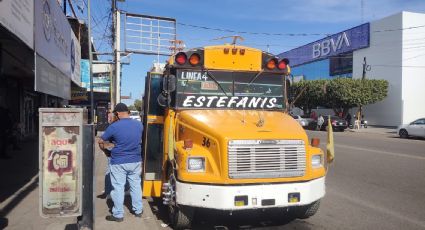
{"points": [[127, 204], [71, 227], [206, 219], [258, 219], [4, 222], [16, 173], [158, 209]]}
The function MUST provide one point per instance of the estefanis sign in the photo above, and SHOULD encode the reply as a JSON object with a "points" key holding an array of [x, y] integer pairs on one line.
{"points": [[192, 101], [346, 41]]}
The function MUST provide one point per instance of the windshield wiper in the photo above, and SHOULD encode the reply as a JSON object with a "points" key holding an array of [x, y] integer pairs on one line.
{"points": [[215, 80], [255, 77]]}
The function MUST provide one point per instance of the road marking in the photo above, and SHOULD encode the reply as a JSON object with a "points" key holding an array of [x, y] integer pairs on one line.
{"points": [[382, 152], [375, 207]]}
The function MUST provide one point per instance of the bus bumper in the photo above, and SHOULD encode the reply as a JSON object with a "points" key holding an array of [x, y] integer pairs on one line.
{"points": [[239, 197]]}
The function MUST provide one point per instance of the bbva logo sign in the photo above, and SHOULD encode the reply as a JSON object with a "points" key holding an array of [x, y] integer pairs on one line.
{"points": [[326, 46]]}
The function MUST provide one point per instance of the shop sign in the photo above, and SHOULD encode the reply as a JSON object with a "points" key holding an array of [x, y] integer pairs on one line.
{"points": [[18, 17], [344, 42], [78, 95], [75, 60], [50, 80], [53, 35]]}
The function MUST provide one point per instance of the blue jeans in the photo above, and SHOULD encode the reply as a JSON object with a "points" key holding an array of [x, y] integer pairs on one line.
{"points": [[119, 174], [108, 185]]}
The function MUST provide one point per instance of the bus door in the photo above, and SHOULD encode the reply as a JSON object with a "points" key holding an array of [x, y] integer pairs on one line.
{"points": [[152, 144]]}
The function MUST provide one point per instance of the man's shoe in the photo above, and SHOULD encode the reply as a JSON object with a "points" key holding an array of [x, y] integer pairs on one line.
{"points": [[139, 215], [102, 196], [113, 218]]}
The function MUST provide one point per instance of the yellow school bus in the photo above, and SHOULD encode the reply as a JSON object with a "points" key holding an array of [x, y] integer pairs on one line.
{"points": [[217, 136]]}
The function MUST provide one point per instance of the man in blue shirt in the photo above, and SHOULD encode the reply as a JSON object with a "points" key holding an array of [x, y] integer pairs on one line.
{"points": [[126, 135]]}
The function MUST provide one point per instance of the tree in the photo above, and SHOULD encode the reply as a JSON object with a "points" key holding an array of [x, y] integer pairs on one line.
{"points": [[308, 94], [340, 94], [132, 107], [345, 93], [138, 104]]}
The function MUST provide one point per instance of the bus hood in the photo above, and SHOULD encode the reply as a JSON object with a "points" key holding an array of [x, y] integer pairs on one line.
{"points": [[244, 124]]}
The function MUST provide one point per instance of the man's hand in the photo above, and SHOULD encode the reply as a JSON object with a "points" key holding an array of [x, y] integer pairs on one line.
{"points": [[101, 144], [105, 147]]}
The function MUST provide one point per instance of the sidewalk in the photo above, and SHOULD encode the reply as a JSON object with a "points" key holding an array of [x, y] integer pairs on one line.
{"points": [[153, 215], [376, 130], [19, 192], [19, 197]]}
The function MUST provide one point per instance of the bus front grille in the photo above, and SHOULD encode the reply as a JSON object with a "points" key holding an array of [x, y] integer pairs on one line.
{"points": [[266, 158]]}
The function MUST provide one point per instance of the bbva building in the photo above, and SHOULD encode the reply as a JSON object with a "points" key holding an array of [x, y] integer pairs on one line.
{"points": [[393, 49]]}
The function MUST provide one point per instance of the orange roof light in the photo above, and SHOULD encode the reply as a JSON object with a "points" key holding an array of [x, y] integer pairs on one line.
{"points": [[194, 59], [271, 64]]}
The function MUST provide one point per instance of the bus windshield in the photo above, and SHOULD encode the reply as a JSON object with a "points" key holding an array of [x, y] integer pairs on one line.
{"points": [[230, 90]]}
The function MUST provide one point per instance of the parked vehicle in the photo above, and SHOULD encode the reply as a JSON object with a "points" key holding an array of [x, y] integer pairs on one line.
{"points": [[415, 128], [338, 124], [217, 137], [134, 114], [303, 121]]}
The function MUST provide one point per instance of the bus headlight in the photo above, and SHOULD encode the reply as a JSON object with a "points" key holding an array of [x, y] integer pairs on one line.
{"points": [[316, 161], [196, 164]]}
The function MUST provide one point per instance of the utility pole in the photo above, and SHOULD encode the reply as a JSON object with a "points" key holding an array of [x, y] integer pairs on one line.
{"points": [[116, 76], [118, 57]]}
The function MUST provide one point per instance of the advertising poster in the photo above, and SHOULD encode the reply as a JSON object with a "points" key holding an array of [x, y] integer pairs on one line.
{"points": [[60, 192]]}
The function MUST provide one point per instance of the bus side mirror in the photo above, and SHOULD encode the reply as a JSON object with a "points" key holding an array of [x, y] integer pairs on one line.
{"points": [[169, 83], [164, 99]]}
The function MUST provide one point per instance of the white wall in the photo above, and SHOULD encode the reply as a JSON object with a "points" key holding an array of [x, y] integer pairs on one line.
{"points": [[385, 57], [413, 82]]}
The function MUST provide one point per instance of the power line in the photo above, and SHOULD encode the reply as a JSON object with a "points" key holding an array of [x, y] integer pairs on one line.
{"points": [[252, 33], [288, 34]]}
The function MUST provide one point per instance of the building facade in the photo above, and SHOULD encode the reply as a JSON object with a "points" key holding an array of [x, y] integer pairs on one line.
{"points": [[39, 60], [393, 50]]}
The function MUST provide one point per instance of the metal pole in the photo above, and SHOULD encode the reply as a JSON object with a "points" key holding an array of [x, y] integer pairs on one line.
{"points": [[92, 111], [114, 49], [86, 222], [118, 57], [364, 68]]}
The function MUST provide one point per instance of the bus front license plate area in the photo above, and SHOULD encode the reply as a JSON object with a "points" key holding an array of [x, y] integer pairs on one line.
{"points": [[294, 197], [241, 200]]}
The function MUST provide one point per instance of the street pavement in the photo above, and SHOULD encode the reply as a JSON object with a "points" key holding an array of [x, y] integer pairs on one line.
{"points": [[376, 182]]}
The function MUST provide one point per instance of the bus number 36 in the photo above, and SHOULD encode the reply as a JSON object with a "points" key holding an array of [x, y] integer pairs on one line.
{"points": [[206, 142]]}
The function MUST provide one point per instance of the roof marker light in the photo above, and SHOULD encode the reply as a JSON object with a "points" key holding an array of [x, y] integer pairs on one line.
{"points": [[181, 58]]}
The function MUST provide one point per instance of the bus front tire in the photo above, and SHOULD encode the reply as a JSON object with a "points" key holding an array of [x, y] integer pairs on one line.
{"points": [[306, 211], [180, 216]]}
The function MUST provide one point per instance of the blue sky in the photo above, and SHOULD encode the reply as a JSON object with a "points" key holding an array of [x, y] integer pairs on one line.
{"points": [[283, 17]]}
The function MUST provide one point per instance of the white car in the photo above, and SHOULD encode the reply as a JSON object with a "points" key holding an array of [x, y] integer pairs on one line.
{"points": [[134, 114], [304, 122], [415, 128]]}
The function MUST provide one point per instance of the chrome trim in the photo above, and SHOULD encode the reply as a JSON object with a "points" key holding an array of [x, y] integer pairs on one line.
{"points": [[266, 158]]}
